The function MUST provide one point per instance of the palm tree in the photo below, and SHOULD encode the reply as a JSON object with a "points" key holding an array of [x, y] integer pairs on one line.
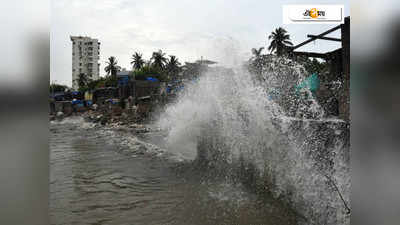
{"points": [[173, 66], [257, 52], [280, 41], [137, 61], [173, 63], [256, 60], [159, 59], [112, 67]]}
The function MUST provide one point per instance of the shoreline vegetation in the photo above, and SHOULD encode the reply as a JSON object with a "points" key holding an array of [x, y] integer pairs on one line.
{"points": [[168, 68]]}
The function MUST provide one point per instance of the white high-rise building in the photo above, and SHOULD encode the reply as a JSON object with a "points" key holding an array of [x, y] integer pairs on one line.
{"points": [[85, 58]]}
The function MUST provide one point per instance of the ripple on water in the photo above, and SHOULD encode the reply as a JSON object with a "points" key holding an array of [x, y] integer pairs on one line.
{"points": [[95, 179]]}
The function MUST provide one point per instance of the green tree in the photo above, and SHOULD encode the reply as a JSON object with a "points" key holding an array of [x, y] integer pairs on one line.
{"points": [[82, 81], [57, 88], [280, 40], [149, 71], [93, 84], [315, 66], [112, 67], [173, 67], [158, 59], [137, 61]]}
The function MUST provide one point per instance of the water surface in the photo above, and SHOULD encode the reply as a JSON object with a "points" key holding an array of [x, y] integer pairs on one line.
{"points": [[94, 180]]}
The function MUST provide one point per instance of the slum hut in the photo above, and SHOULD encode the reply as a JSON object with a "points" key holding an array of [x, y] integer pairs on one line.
{"points": [[125, 84], [100, 95]]}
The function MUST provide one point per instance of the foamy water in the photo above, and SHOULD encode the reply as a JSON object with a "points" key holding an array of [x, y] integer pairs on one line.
{"points": [[305, 158]]}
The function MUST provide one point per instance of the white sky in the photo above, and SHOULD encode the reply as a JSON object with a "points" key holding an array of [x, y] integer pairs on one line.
{"points": [[220, 30]]}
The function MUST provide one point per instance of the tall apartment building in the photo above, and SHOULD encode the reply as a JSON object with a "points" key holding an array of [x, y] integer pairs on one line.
{"points": [[85, 58]]}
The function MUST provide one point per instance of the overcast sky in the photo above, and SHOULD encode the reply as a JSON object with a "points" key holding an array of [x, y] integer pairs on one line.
{"points": [[220, 30]]}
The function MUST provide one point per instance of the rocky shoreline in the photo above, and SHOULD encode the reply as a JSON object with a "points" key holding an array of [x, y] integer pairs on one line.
{"points": [[113, 118]]}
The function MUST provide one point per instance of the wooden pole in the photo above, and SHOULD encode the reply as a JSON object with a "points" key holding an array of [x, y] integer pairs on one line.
{"points": [[316, 37], [344, 109], [311, 54], [324, 38]]}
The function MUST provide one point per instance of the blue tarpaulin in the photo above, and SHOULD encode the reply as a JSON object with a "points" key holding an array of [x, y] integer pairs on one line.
{"points": [[151, 79], [311, 83], [77, 101]]}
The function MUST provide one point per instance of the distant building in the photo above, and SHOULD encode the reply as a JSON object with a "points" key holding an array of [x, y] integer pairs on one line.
{"points": [[124, 72], [85, 58]]}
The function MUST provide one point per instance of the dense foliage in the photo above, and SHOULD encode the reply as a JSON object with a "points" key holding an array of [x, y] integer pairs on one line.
{"points": [[149, 71], [57, 88]]}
